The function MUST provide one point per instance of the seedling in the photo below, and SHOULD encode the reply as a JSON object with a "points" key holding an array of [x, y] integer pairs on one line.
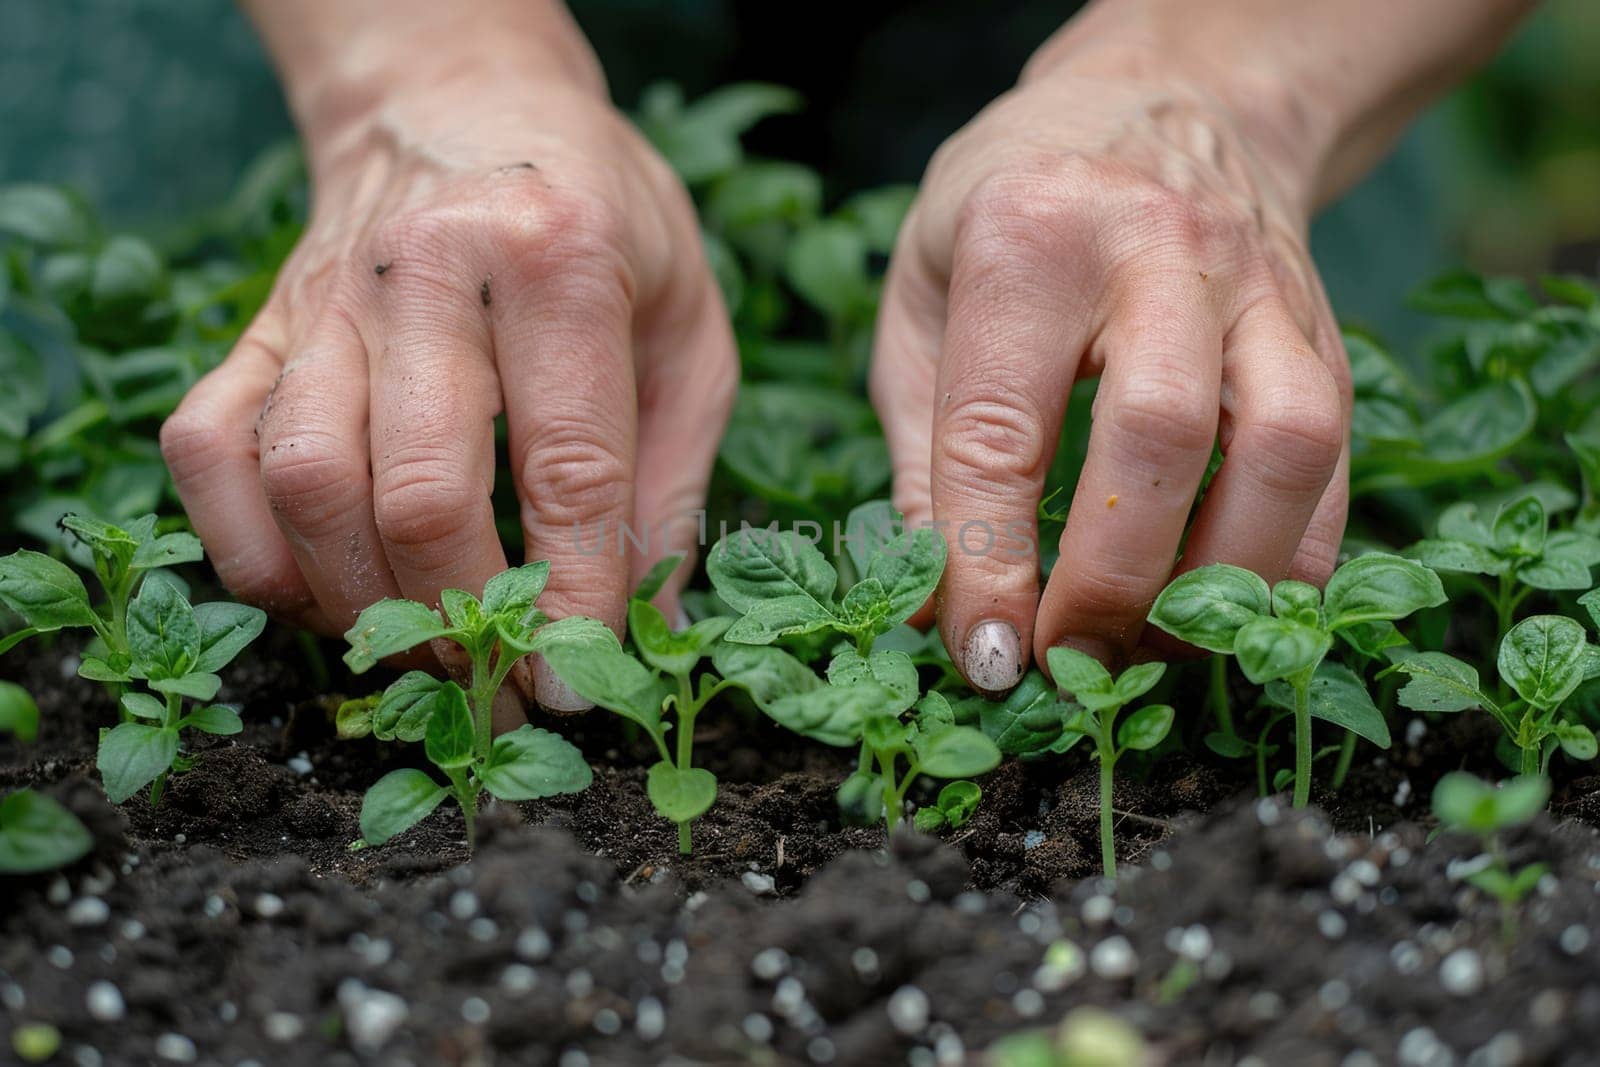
{"points": [[1515, 548], [38, 834], [1283, 633], [1102, 697], [1544, 658], [782, 586], [49, 595], [19, 715], [953, 807], [455, 725], [1467, 804], [587, 656]]}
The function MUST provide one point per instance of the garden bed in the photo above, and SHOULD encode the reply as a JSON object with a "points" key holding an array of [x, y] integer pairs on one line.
{"points": [[234, 923]]}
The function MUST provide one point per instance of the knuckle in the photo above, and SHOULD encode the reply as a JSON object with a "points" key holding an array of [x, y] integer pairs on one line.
{"points": [[572, 474], [417, 503], [307, 478], [1023, 210], [996, 434], [1298, 438], [1316, 559], [1164, 414]]}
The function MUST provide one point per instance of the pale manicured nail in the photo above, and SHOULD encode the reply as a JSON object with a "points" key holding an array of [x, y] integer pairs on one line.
{"points": [[992, 656], [552, 693]]}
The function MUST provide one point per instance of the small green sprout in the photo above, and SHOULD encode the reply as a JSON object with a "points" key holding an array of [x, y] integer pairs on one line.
{"points": [[586, 655], [456, 725], [1516, 548], [783, 586], [1467, 804], [1102, 697], [1087, 1037], [19, 715], [955, 804], [1283, 633], [38, 834], [1544, 658]]}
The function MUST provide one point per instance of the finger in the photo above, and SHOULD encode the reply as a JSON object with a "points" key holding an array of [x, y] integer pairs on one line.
{"points": [[685, 394], [906, 353], [210, 446], [316, 473], [1284, 436], [434, 399], [564, 343], [1018, 323], [1155, 419]]}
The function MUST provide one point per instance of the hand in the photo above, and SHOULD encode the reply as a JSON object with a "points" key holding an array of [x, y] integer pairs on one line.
{"points": [[1103, 220], [477, 247]]}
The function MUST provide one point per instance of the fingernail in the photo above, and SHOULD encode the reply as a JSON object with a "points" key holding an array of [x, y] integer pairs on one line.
{"points": [[991, 658], [552, 693]]}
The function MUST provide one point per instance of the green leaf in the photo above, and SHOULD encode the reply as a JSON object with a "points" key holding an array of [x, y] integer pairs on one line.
{"points": [[866, 608], [19, 715], [929, 820], [656, 577], [1078, 672], [1137, 680], [676, 654], [163, 632], [1207, 607], [958, 800], [934, 712], [215, 719], [197, 686], [860, 799], [832, 714], [1464, 801], [879, 212], [1338, 695], [47, 594], [389, 627], [44, 215], [1463, 522], [531, 764], [1026, 723], [1227, 746], [1554, 572], [826, 262], [1542, 659], [132, 755], [1271, 648], [1465, 295], [784, 616], [894, 671], [397, 802], [224, 631], [16, 637], [168, 550], [1378, 587], [1145, 728], [144, 706], [764, 672], [599, 671], [406, 706], [38, 834], [701, 140], [754, 565], [510, 595], [908, 567], [1477, 427], [1571, 544], [1590, 602], [1440, 683], [1577, 741], [449, 738], [956, 752], [1520, 800], [1457, 557], [1373, 639], [867, 529], [680, 796], [1291, 597], [96, 669], [353, 719], [1520, 528], [886, 735]]}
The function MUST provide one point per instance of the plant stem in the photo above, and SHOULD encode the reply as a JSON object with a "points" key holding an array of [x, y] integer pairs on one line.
{"points": [[1347, 751], [469, 814], [688, 709], [1219, 695], [1302, 739], [1108, 844], [891, 795]]}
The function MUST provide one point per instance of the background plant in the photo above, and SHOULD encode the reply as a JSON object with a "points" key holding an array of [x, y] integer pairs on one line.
{"points": [[1467, 804], [456, 726], [38, 834]]}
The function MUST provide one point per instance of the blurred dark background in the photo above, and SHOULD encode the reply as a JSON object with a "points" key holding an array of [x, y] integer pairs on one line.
{"points": [[153, 107]]}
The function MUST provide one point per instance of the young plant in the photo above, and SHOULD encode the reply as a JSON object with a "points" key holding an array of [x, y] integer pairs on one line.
{"points": [[782, 586], [19, 715], [587, 656], [38, 834], [456, 725], [176, 650], [1102, 697], [1515, 548], [1283, 633], [1467, 804], [953, 807], [1544, 658], [49, 595]]}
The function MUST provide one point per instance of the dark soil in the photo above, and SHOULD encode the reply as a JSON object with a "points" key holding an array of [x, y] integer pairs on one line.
{"points": [[240, 925]]}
